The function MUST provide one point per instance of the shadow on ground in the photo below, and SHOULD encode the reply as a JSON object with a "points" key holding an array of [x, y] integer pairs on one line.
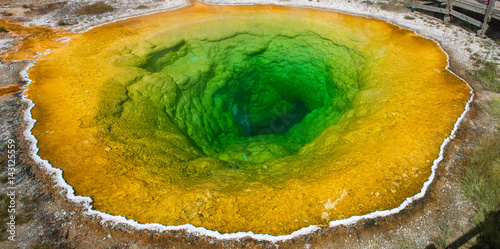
{"points": [[488, 231]]}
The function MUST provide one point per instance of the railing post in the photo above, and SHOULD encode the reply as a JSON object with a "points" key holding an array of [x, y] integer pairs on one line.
{"points": [[409, 4], [449, 8], [487, 18]]}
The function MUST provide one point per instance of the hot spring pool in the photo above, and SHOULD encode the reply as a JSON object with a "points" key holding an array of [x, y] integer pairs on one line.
{"points": [[245, 118]]}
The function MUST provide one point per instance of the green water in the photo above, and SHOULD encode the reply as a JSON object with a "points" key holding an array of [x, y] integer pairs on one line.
{"points": [[242, 97]]}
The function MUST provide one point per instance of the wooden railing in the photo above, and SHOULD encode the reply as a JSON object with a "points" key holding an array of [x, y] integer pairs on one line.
{"points": [[448, 11]]}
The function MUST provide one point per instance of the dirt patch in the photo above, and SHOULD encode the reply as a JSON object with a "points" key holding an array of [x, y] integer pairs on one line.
{"points": [[443, 217]]}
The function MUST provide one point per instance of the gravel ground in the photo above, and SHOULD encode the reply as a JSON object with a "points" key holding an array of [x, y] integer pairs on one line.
{"points": [[47, 219]]}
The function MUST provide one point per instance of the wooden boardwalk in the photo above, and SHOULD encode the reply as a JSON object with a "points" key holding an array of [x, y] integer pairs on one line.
{"points": [[446, 7]]}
